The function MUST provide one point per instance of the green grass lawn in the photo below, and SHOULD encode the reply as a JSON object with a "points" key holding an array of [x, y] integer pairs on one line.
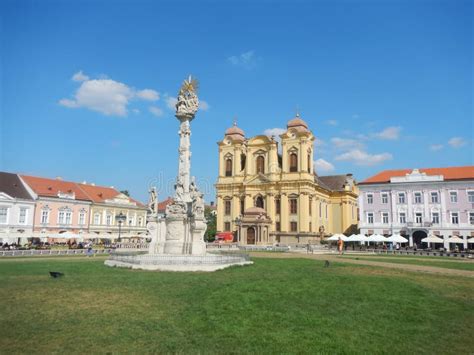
{"points": [[413, 260], [273, 306]]}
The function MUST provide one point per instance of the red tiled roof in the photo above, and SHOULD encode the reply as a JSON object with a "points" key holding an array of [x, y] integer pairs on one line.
{"points": [[162, 205], [451, 173], [102, 193], [50, 187]]}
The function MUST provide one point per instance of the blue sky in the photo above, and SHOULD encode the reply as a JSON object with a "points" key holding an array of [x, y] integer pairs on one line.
{"points": [[86, 85]]}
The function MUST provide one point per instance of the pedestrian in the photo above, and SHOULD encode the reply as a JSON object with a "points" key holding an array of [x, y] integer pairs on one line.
{"points": [[340, 245]]}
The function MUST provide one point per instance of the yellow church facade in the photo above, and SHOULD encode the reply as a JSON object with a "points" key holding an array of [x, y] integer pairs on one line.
{"points": [[269, 194]]}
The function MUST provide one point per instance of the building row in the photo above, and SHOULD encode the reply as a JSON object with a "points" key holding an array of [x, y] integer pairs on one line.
{"points": [[48, 210], [269, 192]]}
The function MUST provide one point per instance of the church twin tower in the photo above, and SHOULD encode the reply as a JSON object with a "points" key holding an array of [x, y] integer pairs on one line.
{"points": [[268, 194]]}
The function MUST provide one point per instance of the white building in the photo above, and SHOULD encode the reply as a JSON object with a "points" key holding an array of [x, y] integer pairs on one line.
{"points": [[438, 201], [17, 209]]}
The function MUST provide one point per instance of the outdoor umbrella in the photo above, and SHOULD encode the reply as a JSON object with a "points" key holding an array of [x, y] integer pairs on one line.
{"points": [[455, 239], [356, 238], [397, 238], [376, 238], [432, 239], [336, 237], [470, 240]]}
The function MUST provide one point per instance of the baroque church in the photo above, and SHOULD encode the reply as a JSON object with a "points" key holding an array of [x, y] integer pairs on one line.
{"points": [[269, 194]]}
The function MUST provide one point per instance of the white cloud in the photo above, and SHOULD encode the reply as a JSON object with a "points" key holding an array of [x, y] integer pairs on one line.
{"points": [[323, 165], [80, 76], [362, 158], [156, 111], [318, 142], [346, 143], [171, 102], [436, 147], [389, 133], [457, 142], [332, 122], [246, 60], [105, 95], [148, 94], [203, 105], [274, 132]]}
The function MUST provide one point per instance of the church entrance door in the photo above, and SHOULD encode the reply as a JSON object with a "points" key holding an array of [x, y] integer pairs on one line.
{"points": [[250, 235]]}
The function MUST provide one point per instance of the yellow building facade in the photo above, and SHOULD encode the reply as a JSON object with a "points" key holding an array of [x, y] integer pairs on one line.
{"points": [[269, 194]]}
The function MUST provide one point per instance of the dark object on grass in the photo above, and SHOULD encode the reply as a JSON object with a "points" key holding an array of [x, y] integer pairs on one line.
{"points": [[55, 274], [326, 263]]}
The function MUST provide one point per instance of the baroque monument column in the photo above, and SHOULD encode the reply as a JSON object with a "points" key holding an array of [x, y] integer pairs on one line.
{"points": [[185, 222]]}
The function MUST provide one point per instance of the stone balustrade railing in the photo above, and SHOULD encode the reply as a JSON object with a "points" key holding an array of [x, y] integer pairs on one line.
{"points": [[47, 252]]}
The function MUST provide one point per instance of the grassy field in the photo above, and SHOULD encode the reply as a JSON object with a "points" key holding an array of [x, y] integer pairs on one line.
{"points": [[458, 264], [273, 306]]}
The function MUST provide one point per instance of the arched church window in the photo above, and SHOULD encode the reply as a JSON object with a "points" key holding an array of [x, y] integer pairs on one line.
{"points": [[293, 162], [259, 202], [260, 165], [228, 167], [309, 163], [243, 159]]}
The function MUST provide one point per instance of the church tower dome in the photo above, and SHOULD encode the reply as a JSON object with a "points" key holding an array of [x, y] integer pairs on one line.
{"points": [[236, 133], [298, 124]]}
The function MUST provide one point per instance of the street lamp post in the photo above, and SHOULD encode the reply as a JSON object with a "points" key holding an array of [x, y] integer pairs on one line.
{"points": [[120, 218]]}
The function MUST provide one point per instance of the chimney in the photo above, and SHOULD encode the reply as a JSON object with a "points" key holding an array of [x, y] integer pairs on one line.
{"points": [[84, 182], [212, 203], [59, 178], [92, 184]]}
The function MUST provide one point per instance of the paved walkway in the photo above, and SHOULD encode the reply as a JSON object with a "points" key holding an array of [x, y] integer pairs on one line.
{"points": [[335, 258]]}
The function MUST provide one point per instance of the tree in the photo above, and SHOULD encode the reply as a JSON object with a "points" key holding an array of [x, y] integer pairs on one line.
{"points": [[211, 230], [125, 192]]}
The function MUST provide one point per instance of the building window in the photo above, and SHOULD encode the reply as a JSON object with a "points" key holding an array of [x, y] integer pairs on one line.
{"points": [[259, 202], [402, 217], [401, 197], [293, 162], [453, 196], [293, 226], [471, 217], [44, 216], [3, 215], [320, 210], [293, 206], [417, 197], [384, 198], [108, 219], [82, 218], [370, 218], [418, 217], [278, 226], [260, 165], [435, 217], [310, 206], [385, 218], [434, 197], [22, 215], [68, 217], [97, 218], [227, 226], [140, 221], [277, 206], [470, 196], [326, 211], [61, 217], [455, 218], [310, 226], [242, 206], [309, 163], [370, 199], [228, 167], [227, 206]]}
